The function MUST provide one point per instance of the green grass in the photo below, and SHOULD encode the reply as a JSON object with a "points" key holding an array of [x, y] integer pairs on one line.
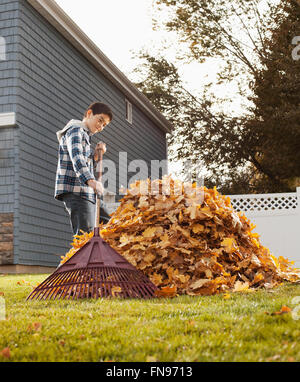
{"points": [[184, 328]]}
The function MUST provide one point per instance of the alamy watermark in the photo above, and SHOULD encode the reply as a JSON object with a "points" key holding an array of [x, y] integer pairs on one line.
{"points": [[2, 49], [192, 184], [296, 310], [2, 309], [296, 50]]}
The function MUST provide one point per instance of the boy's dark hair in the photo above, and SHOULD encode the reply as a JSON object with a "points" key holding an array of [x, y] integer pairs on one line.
{"points": [[99, 108]]}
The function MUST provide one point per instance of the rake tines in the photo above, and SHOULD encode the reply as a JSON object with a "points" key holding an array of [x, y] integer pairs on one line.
{"points": [[95, 271]]}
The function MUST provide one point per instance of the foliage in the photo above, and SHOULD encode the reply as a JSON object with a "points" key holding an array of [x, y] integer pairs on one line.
{"points": [[253, 151]]}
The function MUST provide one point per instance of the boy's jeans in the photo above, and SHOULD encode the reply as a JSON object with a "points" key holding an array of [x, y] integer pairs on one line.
{"points": [[82, 213]]}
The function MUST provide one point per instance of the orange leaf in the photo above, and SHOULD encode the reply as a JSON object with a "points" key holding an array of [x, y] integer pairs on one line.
{"points": [[240, 286], [115, 290], [156, 278], [226, 296], [149, 232], [228, 243], [166, 292], [37, 326], [199, 283], [198, 228], [284, 309], [5, 352]]}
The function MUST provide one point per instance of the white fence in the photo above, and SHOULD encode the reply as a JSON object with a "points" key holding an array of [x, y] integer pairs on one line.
{"points": [[277, 220]]}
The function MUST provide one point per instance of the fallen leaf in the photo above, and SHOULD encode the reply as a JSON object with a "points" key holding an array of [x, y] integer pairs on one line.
{"points": [[284, 309], [226, 296], [240, 286], [166, 292], [199, 283], [35, 326], [115, 290], [6, 352]]}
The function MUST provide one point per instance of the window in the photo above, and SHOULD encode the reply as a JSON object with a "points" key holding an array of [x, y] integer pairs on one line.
{"points": [[128, 111]]}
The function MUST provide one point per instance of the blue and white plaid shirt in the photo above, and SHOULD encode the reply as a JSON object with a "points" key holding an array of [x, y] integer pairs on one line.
{"points": [[75, 161]]}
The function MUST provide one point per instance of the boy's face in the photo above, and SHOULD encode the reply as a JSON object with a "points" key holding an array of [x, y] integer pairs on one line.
{"points": [[97, 122]]}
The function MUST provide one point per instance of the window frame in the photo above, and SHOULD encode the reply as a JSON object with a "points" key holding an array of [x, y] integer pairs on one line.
{"points": [[128, 111]]}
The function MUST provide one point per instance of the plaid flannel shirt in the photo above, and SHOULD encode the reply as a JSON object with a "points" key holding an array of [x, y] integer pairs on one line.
{"points": [[75, 163]]}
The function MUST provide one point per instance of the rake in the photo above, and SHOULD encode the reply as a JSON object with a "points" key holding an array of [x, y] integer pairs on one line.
{"points": [[96, 270]]}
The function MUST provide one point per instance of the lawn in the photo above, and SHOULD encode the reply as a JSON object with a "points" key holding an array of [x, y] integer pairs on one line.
{"points": [[183, 328]]}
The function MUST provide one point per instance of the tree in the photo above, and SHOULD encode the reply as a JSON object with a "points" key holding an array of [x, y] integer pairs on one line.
{"points": [[230, 147], [276, 110]]}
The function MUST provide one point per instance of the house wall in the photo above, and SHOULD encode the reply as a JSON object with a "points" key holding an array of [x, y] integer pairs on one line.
{"points": [[9, 134]]}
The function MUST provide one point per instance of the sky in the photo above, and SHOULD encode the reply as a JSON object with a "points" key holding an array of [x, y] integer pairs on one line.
{"points": [[115, 26], [121, 27]]}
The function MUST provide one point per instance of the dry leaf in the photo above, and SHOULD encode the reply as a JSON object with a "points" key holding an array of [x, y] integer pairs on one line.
{"points": [[6, 352], [35, 326], [284, 309], [199, 283], [115, 290], [166, 292], [240, 286]]}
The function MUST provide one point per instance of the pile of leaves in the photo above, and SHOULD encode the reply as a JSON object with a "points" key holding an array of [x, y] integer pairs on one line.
{"points": [[189, 240]]}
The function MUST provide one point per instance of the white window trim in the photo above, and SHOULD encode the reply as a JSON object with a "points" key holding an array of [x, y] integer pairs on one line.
{"points": [[7, 119], [128, 111]]}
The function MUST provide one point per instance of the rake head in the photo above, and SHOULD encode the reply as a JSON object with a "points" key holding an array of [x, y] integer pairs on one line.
{"points": [[96, 270]]}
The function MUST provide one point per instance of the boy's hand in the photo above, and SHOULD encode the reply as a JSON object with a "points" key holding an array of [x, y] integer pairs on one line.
{"points": [[100, 146], [96, 186]]}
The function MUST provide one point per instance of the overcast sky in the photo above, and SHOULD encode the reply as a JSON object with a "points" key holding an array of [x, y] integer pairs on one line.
{"points": [[119, 27], [116, 26]]}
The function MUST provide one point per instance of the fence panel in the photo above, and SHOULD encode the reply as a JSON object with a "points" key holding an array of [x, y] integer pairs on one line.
{"points": [[277, 220]]}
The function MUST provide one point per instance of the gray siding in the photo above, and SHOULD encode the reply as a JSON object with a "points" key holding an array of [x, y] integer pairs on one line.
{"points": [[56, 84], [9, 14], [7, 169], [9, 136]]}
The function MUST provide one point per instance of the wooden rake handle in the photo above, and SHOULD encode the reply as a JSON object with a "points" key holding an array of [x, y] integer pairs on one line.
{"points": [[97, 214]]}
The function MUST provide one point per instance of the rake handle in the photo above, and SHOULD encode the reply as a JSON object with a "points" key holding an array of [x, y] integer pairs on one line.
{"points": [[98, 204]]}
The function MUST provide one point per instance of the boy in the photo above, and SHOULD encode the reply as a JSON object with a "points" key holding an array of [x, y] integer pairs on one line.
{"points": [[75, 183]]}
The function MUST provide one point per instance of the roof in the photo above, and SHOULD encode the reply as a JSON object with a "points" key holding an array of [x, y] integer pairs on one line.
{"points": [[68, 28]]}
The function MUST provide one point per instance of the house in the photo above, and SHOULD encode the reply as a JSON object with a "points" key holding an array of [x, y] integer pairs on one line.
{"points": [[50, 72]]}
